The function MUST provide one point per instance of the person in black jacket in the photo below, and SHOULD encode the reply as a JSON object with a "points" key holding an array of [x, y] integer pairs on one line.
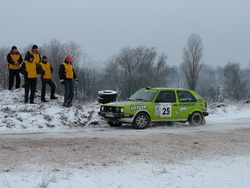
{"points": [[36, 54], [29, 70], [67, 75], [44, 68], [14, 59]]}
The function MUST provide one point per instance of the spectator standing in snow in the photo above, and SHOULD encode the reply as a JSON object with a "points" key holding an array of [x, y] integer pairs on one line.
{"points": [[37, 56], [44, 68], [14, 59], [29, 70], [34, 51], [67, 75]]}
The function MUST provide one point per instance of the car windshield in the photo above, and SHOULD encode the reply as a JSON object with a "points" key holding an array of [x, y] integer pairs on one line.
{"points": [[145, 95]]}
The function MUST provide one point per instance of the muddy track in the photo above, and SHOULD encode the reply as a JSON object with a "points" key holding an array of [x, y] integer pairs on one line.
{"points": [[114, 146]]}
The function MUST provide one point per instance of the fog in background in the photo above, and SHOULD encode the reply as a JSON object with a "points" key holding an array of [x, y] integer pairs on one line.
{"points": [[103, 28]]}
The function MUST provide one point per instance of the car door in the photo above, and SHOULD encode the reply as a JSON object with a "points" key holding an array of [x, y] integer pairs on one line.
{"points": [[166, 106], [186, 102]]}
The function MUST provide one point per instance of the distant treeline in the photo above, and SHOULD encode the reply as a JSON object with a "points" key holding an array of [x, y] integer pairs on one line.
{"points": [[135, 68]]}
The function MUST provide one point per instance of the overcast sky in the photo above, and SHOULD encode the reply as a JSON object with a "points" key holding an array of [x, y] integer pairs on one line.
{"points": [[104, 27]]}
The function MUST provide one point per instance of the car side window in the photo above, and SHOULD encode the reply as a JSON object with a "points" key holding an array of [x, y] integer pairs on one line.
{"points": [[186, 96], [166, 97]]}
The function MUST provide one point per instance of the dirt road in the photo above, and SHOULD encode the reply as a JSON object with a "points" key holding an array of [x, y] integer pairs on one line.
{"points": [[80, 148]]}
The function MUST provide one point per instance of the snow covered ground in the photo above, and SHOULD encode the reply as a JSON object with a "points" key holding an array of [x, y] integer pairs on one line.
{"points": [[215, 165]]}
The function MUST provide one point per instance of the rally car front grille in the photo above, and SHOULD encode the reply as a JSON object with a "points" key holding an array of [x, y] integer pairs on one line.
{"points": [[111, 109]]}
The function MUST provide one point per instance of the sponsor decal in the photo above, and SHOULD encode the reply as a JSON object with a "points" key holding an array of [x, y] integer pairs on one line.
{"points": [[187, 104], [157, 109], [183, 109], [138, 107]]}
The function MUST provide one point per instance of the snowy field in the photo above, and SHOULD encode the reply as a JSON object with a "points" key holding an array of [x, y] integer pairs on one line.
{"points": [[220, 149]]}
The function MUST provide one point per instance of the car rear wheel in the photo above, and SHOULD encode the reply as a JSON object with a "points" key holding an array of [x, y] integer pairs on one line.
{"points": [[141, 121], [196, 119], [114, 124]]}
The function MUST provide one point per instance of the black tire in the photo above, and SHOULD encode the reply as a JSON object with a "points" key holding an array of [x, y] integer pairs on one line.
{"points": [[196, 119], [141, 121], [107, 96], [114, 124]]}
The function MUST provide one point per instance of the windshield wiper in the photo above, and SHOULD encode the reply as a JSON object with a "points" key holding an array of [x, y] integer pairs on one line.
{"points": [[129, 99], [140, 100]]}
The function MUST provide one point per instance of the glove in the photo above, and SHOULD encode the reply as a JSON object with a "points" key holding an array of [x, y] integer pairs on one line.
{"points": [[76, 80], [62, 81]]}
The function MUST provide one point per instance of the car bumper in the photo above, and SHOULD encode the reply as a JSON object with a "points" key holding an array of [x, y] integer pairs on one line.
{"points": [[118, 117], [205, 113]]}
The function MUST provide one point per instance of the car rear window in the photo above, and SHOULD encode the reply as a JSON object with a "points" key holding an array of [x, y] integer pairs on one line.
{"points": [[186, 96]]}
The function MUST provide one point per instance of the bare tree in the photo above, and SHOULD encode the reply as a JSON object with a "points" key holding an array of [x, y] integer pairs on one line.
{"points": [[133, 69], [192, 55], [56, 51], [88, 86], [247, 79], [4, 72], [235, 85], [208, 85]]}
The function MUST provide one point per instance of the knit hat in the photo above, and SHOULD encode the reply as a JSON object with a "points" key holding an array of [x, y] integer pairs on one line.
{"points": [[30, 56], [34, 46], [44, 57], [68, 58], [13, 47]]}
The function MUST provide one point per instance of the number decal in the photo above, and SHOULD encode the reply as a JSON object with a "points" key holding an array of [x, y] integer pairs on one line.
{"points": [[165, 110]]}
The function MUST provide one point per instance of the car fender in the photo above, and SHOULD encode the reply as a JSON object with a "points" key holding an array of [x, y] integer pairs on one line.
{"points": [[143, 111], [189, 115]]}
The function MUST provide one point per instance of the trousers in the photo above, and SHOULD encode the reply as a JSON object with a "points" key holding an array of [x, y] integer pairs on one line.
{"points": [[12, 75], [68, 92], [30, 85], [52, 86]]}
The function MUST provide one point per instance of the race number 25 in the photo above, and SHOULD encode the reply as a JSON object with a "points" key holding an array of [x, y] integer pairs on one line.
{"points": [[166, 110]]}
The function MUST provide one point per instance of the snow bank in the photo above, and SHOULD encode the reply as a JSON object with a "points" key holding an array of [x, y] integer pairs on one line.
{"points": [[16, 116]]}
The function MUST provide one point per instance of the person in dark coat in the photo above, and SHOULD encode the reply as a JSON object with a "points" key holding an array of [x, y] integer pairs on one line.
{"points": [[67, 75], [44, 68], [14, 59], [29, 70], [34, 51], [36, 54]]}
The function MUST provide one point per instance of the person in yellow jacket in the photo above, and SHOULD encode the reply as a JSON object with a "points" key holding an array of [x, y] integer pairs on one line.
{"points": [[34, 51], [29, 70], [37, 56], [14, 59], [67, 75], [44, 68]]}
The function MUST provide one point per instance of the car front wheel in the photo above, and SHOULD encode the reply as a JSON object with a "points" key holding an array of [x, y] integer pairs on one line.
{"points": [[141, 121], [196, 119]]}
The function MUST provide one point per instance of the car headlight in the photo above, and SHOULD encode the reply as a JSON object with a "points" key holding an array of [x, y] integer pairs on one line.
{"points": [[122, 110]]}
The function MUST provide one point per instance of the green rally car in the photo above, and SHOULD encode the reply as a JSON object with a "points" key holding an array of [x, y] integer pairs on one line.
{"points": [[152, 105]]}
